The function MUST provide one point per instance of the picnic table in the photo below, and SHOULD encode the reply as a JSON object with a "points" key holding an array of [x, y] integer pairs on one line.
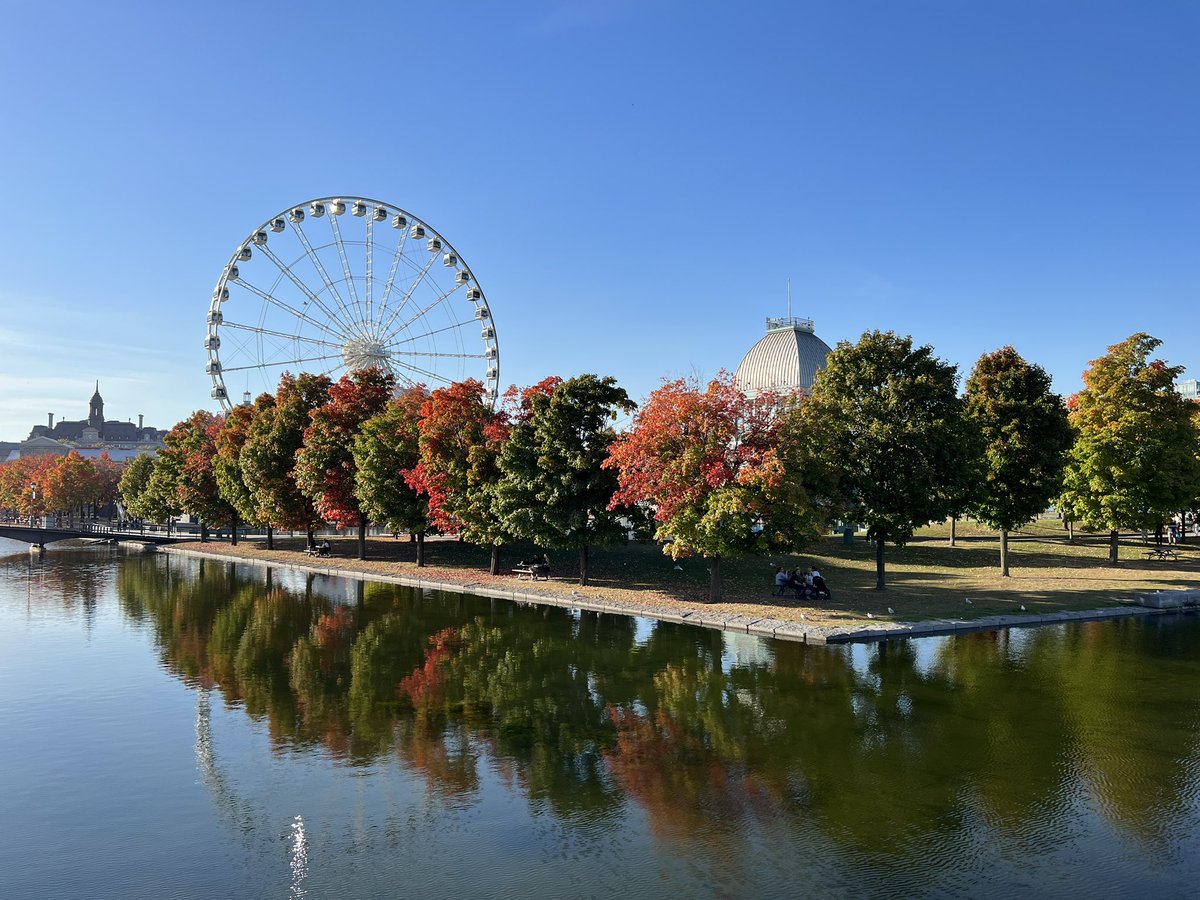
{"points": [[532, 572], [1162, 553], [317, 551]]}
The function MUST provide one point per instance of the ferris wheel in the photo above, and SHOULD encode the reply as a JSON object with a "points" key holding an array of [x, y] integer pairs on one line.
{"points": [[379, 287]]}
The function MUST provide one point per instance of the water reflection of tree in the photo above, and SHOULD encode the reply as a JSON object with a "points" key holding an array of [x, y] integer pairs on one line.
{"points": [[885, 754]]}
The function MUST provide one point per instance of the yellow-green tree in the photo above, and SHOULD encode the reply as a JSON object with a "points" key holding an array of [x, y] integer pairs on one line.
{"points": [[1134, 461]]}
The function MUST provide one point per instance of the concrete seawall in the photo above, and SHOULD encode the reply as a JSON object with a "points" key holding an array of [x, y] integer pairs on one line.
{"points": [[1170, 602]]}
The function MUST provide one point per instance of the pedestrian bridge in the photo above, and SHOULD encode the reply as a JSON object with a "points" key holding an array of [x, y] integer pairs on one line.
{"points": [[39, 536]]}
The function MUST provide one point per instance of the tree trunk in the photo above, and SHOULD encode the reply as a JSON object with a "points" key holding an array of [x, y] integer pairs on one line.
{"points": [[494, 567], [1114, 553], [233, 532], [714, 579], [203, 532], [270, 538], [1003, 553], [362, 537], [879, 580], [420, 538], [312, 540], [1071, 531], [583, 565], [413, 537], [954, 531]]}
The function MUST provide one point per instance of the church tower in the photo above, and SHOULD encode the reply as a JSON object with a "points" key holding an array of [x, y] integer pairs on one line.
{"points": [[96, 410]]}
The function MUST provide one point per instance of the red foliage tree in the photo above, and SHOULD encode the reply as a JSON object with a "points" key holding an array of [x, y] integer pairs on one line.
{"points": [[189, 452], [460, 442], [710, 463], [325, 467], [108, 476], [268, 458]]}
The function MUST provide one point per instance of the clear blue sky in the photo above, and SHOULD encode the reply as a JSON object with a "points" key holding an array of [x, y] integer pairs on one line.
{"points": [[633, 182]]}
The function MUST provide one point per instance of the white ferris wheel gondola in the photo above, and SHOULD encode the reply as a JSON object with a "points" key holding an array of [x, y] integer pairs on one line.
{"points": [[353, 293]]}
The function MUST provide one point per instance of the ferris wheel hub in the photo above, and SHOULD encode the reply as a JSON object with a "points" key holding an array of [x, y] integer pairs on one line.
{"points": [[364, 353]]}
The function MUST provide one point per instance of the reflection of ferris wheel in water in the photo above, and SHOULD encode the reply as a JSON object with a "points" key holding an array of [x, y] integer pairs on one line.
{"points": [[378, 287]]}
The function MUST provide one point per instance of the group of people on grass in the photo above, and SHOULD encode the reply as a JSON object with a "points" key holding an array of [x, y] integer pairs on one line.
{"points": [[1177, 529], [808, 584]]}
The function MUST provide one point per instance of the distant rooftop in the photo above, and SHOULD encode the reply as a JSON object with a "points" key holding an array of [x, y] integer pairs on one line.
{"points": [[792, 322]]}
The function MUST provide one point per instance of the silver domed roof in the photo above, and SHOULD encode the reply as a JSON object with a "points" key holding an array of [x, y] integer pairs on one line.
{"points": [[785, 360]]}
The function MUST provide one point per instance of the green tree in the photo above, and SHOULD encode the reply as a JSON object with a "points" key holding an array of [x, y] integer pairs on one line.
{"points": [[325, 467], [1134, 461], [268, 458], [386, 451], [1025, 439], [712, 464], [554, 490], [885, 421], [147, 489]]}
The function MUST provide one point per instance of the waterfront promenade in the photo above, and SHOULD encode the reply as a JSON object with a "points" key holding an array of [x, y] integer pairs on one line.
{"points": [[926, 596]]}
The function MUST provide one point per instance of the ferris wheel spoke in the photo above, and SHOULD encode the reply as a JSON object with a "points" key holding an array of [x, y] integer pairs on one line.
{"points": [[441, 298], [328, 372], [417, 337], [299, 314], [283, 362], [281, 334], [304, 288], [341, 249], [437, 355], [425, 372], [370, 263], [391, 279], [411, 288], [400, 375], [320, 267]]}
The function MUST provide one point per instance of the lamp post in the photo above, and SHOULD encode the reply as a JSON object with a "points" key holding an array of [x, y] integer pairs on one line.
{"points": [[33, 489]]}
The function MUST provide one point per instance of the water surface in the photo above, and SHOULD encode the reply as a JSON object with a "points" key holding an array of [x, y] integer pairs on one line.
{"points": [[179, 728]]}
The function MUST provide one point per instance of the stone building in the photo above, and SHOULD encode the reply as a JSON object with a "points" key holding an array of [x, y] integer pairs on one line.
{"points": [[93, 435]]}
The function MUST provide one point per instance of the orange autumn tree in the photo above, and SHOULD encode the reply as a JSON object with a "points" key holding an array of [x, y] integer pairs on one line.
{"points": [[17, 480], [711, 464], [68, 484]]}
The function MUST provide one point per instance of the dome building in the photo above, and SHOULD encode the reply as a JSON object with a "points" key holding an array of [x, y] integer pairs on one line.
{"points": [[786, 360]]}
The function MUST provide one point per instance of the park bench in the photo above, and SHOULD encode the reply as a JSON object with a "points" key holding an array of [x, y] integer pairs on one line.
{"points": [[317, 551]]}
